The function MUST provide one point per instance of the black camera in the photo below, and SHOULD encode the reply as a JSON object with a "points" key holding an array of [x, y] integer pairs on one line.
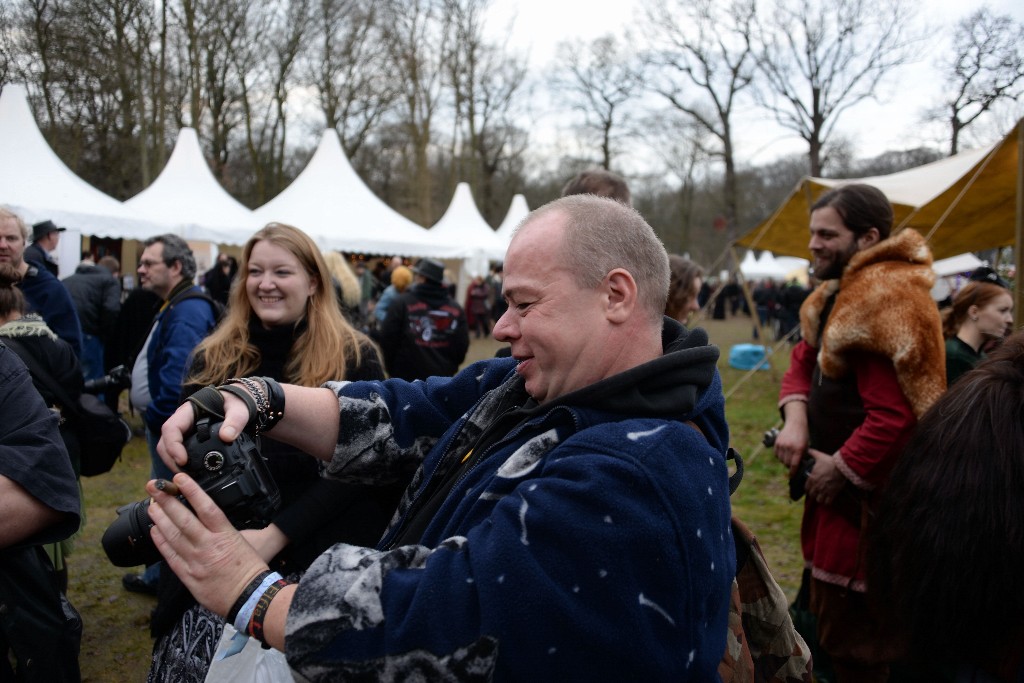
{"points": [[234, 475], [798, 482], [118, 379]]}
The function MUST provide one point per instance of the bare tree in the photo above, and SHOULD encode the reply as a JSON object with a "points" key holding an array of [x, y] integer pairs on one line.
{"points": [[987, 66], [354, 79], [702, 60], [818, 60], [417, 40], [601, 78], [486, 83]]}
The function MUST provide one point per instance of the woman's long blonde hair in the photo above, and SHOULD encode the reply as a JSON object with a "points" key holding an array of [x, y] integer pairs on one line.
{"points": [[323, 351]]}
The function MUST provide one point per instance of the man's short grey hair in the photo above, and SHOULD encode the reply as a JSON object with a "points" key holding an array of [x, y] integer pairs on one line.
{"points": [[176, 249], [603, 234], [8, 215]]}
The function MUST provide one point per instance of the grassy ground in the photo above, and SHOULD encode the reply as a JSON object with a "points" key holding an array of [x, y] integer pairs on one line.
{"points": [[116, 643]]}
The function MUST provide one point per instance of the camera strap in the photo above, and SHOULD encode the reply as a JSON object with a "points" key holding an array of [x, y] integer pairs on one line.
{"points": [[207, 402]]}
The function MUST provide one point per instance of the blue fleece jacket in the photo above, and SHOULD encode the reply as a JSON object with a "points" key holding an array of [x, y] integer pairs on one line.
{"points": [[585, 539]]}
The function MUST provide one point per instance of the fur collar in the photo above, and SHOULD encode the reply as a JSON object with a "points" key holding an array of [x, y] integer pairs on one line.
{"points": [[884, 306]]}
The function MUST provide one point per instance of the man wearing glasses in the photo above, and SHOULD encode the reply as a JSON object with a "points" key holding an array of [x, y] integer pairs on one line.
{"points": [[167, 268]]}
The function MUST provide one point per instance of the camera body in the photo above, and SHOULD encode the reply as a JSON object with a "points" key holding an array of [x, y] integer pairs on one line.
{"points": [[234, 475], [118, 379], [798, 482]]}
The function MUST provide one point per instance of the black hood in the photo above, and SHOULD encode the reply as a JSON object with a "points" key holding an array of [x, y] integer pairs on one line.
{"points": [[668, 387]]}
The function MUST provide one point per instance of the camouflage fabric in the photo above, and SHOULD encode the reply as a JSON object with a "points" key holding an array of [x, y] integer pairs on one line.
{"points": [[762, 645]]}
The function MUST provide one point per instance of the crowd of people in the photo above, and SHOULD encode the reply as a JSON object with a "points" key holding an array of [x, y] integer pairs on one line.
{"points": [[559, 511]]}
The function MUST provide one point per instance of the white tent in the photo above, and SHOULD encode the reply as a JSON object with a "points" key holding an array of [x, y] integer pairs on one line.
{"points": [[462, 224], [763, 268], [517, 211], [187, 195], [37, 185], [329, 201], [955, 265]]}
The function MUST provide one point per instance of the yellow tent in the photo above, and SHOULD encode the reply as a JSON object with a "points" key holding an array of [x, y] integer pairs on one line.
{"points": [[966, 202]]}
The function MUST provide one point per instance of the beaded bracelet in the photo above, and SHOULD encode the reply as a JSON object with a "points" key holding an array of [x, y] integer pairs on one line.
{"points": [[259, 613], [247, 593], [259, 408]]}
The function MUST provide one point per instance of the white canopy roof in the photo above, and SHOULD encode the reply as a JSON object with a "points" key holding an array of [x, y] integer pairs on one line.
{"points": [[330, 202], [187, 195], [37, 185], [517, 211], [956, 264], [462, 224]]}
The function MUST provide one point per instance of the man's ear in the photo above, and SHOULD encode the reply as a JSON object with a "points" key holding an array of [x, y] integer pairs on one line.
{"points": [[622, 295], [869, 238]]}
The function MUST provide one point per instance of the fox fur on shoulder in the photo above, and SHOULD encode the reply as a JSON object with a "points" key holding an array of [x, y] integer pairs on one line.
{"points": [[884, 306]]}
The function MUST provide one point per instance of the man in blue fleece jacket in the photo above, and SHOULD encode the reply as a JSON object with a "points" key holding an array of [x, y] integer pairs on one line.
{"points": [[564, 521]]}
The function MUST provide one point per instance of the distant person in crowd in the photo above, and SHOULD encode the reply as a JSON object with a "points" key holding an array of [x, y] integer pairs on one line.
{"points": [[131, 328], [478, 309], [346, 287], [564, 522], [366, 288], [947, 543], [791, 298], [766, 298], [494, 281], [217, 280], [380, 280], [27, 335], [282, 323], [989, 275], [43, 291], [45, 238], [40, 631], [685, 281], [96, 291], [980, 311], [599, 182], [167, 268], [869, 365], [401, 278], [425, 331]]}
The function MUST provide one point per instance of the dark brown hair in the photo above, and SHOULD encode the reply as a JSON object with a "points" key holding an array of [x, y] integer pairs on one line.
{"points": [[11, 298], [682, 272], [861, 207], [600, 182], [947, 543]]}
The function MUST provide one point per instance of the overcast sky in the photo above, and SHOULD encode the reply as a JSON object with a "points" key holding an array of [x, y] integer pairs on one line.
{"points": [[894, 123]]}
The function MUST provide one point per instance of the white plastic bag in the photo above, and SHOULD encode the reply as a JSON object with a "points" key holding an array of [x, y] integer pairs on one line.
{"points": [[241, 659]]}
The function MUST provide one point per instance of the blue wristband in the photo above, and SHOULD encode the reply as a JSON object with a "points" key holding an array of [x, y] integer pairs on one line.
{"points": [[245, 614]]}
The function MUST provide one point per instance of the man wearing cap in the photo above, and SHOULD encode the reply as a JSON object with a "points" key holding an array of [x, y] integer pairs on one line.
{"points": [[45, 236], [424, 333], [44, 293]]}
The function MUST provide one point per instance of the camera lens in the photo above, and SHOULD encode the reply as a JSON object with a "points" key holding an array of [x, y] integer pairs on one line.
{"points": [[126, 541]]}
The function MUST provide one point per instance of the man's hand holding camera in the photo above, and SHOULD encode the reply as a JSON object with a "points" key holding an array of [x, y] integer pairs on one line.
{"points": [[202, 547]]}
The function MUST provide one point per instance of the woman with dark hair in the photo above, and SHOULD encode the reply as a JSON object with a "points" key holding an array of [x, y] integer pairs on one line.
{"points": [[947, 545], [283, 321], [980, 312], [685, 280]]}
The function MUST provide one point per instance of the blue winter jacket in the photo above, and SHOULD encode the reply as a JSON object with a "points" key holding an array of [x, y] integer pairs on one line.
{"points": [[587, 539], [179, 328]]}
